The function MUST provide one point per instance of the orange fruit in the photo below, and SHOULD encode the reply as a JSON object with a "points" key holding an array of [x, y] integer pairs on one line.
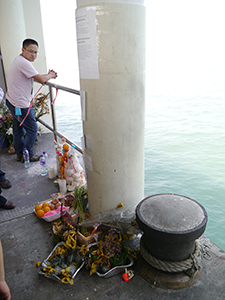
{"points": [[45, 204], [46, 209], [40, 213], [38, 207], [66, 147]]}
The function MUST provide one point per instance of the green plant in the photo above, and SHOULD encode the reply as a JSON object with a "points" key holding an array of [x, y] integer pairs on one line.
{"points": [[80, 194]]}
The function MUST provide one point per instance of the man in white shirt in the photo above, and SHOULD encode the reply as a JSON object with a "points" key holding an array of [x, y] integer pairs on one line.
{"points": [[20, 89]]}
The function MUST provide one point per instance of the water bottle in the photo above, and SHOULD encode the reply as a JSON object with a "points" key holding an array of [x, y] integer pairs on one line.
{"points": [[45, 154], [26, 158], [44, 170]]}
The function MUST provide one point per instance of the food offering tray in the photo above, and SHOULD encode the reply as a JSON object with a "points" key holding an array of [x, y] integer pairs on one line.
{"points": [[54, 276], [54, 217]]}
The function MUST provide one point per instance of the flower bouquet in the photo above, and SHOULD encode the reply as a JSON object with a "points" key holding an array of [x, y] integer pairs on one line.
{"points": [[64, 262], [40, 105], [108, 257], [6, 126]]}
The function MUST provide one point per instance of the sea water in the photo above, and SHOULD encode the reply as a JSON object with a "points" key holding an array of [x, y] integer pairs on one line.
{"points": [[184, 145], [184, 152]]}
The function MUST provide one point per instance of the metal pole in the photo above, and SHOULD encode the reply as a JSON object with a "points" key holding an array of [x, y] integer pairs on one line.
{"points": [[57, 133], [61, 87], [53, 114]]}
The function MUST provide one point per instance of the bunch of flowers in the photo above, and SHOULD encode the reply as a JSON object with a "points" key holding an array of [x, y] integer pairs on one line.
{"points": [[6, 123], [40, 105], [106, 254], [63, 262]]}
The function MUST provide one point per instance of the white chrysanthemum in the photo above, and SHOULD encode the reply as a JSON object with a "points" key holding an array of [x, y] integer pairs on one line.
{"points": [[9, 131]]}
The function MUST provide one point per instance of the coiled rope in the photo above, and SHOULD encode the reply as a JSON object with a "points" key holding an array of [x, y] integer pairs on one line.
{"points": [[190, 266]]}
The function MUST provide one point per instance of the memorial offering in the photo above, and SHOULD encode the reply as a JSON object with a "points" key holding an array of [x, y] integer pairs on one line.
{"points": [[68, 166], [50, 210], [100, 243]]}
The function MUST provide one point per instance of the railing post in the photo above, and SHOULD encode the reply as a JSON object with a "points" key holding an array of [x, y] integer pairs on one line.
{"points": [[53, 114], [53, 127]]}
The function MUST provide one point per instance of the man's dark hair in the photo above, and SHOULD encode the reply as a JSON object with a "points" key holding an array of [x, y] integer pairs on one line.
{"points": [[27, 42]]}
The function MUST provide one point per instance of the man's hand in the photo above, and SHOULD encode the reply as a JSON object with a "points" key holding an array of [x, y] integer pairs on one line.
{"points": [[52, 73], [44, 78]]}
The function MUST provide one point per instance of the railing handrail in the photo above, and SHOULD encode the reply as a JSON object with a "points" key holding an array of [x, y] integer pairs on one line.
{"points": [[61, 87], [53, 129]]}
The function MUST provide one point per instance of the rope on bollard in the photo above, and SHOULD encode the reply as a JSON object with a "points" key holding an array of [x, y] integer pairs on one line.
{"points": [[190, 266]]}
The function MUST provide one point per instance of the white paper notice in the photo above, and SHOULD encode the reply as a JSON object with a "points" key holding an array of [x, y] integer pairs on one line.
{"points": [[87, 42], [88, 162], [83, 144], [83, 105]]}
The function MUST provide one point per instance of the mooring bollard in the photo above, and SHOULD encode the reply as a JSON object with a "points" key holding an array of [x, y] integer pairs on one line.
{"points": [[171, 224]]}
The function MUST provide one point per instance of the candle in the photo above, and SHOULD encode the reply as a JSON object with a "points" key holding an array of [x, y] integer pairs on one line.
{"points": [[51, 172], [62, 186]]}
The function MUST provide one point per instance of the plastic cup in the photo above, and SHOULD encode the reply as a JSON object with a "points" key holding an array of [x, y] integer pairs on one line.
{"points": [[62, 186]]}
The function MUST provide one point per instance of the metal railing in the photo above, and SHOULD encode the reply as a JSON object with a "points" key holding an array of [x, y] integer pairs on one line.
{"points": [[53, 129]]}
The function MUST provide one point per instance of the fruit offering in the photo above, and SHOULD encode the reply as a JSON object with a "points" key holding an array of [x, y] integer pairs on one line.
{"points": [[44, 209]]}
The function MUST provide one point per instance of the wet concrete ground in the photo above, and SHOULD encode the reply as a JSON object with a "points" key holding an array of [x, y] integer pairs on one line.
{"points": [[27, 239]]}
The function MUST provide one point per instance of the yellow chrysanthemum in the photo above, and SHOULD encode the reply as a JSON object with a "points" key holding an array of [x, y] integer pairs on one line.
{"points": [[49, 270], [94, 266], [84, 249], [37, 265]]}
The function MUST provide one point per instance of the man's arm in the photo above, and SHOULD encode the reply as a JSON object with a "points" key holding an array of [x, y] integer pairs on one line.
{"points": [[44, 78]]}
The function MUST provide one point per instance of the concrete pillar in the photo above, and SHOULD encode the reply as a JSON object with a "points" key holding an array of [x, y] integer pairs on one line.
{"points": [[111, 54], [12, 30], [33, 24], [21, 19]]}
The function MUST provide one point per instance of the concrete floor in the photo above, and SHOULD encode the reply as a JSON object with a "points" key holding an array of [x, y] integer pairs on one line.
{"points": [[27, 240]]}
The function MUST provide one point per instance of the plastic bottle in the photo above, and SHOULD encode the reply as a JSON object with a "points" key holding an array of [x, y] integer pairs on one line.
{"points": [[44, 170], [45, 154], [26, 158]]}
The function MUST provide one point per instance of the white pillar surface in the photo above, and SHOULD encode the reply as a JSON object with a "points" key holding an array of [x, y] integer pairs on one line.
{"points": [[115, 104], [21, 19], [12, 30]]}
